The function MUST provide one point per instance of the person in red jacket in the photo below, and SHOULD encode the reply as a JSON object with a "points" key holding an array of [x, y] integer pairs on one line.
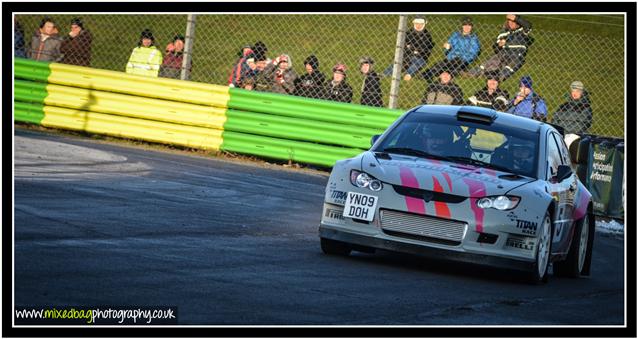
{"points": [[76, 47], [172, 64]]}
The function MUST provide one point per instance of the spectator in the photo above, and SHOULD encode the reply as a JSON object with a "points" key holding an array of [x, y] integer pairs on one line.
{"points": [[76, 47], [260, 50], [173, 58], [145, 58], [284, 76], [250, 73], [371, 89], [311, 84], [575, 115], [338, 89], [45, 43], [527, 103], [491, 96], [445, 92], [18, 40], [263, 73], [461, 49], [240, 67], [417, 49], [510, 48]]}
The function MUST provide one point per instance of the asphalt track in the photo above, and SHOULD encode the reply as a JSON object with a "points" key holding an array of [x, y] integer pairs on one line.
{"points": [[232, 243]]}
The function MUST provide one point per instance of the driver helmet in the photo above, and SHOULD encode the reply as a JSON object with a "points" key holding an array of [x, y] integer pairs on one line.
{"points": [[436, 138], [522, 153]]}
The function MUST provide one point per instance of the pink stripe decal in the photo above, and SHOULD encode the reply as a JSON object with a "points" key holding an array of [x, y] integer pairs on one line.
{"points": [[408, 179], [448, 179], [583, 201], [477, 191]]}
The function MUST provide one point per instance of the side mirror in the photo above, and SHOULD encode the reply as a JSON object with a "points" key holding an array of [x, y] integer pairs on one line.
{"points": [[563, 173], [374, 139]]}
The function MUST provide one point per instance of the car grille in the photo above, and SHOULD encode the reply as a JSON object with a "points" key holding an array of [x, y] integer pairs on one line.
{"points": [[428, 195], [420, 227]]}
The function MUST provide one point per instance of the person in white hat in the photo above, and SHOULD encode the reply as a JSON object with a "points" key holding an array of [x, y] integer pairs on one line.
{"points": [[417, 49]]}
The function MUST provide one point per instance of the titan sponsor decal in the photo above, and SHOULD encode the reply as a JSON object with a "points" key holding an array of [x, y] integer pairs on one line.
{"points": [[527, 227], [521, 244], [334, 214], [338, 196]]}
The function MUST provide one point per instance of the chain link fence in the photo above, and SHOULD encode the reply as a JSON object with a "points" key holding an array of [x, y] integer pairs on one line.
{"points": [[335, 46]]}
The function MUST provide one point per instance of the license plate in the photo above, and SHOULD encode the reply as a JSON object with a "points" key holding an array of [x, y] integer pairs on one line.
{"points": [[360, 206]]}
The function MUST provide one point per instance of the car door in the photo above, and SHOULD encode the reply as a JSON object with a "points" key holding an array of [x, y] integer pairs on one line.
{"points": [[561, 192]]}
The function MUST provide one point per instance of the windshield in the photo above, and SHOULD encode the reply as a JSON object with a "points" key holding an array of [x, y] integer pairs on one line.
{"points": [[507, 150]]}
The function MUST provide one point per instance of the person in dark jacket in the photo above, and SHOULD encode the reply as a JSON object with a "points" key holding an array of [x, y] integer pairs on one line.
{"points": [[311, 84], [18, 40], [417, 49], [45, 43], [76, 47], [445, 92], [575, 115], [491, 96], [510, 48], [173, 58], [461, 49], [338, 89], [371, 89]]}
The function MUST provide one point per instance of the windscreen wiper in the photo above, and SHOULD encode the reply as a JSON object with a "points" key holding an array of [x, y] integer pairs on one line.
{"points": [[415, 152], [481, 164]]}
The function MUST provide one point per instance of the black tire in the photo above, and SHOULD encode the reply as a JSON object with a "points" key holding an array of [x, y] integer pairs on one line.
{"points": [[334, 247], [538, 274], [578, 262]]}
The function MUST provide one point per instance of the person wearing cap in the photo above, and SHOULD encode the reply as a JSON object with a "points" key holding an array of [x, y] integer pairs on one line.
{"points": [[527, 103], [173, 58], [371, 89], [338, 89], [146, 58], [510, 48], [417, 49], [575, 115], [445, 92], [45, 42], [461, 49], [240, 67], [76, 46], [491, 96], [311, 84], [284, 76]]}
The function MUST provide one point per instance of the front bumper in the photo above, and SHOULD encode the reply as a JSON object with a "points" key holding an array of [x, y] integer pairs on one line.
{"points": [[387, 243]]}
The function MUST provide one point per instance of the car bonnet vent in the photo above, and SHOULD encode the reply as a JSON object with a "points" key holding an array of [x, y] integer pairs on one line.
{"points": [[482, 116]]}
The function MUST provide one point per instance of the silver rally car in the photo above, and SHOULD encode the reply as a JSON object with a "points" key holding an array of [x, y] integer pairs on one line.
{"points": [[468, 184]]}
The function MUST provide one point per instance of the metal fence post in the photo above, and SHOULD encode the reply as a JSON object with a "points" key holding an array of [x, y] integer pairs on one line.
{"points": [[188, 47], [398, 63]]}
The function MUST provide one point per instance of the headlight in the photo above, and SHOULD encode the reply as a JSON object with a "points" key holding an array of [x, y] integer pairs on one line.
{"points": [[361, 179], [501, 202]]}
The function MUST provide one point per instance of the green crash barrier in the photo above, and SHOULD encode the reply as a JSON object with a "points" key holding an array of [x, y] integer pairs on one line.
{"points": [[299, 129], [31, 113], [312, 109], [297, 151]]}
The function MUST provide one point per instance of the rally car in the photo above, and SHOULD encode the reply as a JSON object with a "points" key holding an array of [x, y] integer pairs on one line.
{"points": [[468, 184]]}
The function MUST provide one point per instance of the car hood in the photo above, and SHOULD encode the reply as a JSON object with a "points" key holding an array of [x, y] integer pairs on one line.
{"points": [[440, 176]]}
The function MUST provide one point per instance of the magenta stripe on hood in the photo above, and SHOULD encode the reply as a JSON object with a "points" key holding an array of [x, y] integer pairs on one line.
{"points": [[408, 179]]}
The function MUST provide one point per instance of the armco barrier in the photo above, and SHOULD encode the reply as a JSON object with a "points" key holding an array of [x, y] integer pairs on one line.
{"points": [[166, 110]]}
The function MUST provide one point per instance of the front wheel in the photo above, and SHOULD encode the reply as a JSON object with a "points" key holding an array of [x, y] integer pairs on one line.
{"points": [[538, 275], [329, 246], [578, 259]]}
